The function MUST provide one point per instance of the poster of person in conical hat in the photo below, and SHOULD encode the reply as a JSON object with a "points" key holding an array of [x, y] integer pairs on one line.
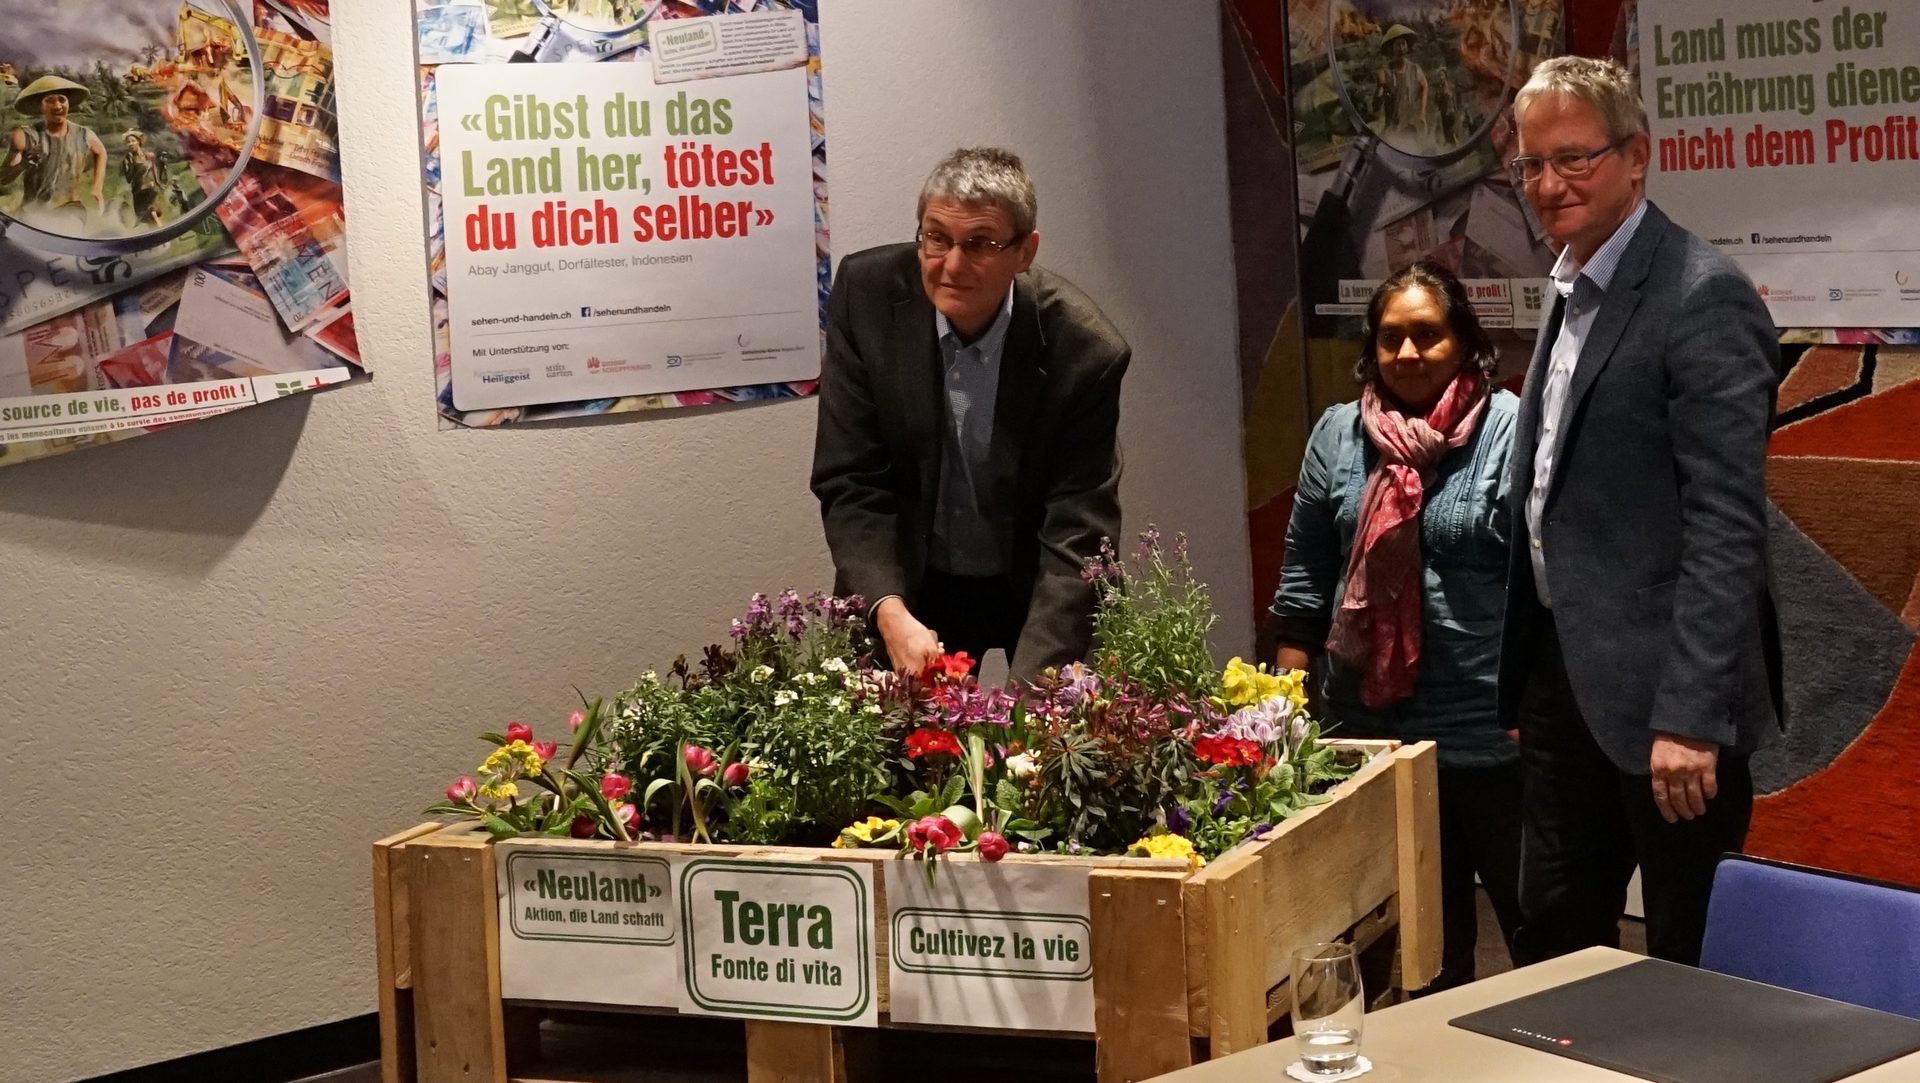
{"points": [[170, 216]]}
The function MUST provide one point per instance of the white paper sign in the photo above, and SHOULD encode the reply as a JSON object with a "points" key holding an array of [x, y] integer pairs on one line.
{"points": [[607, 237], [778, 940], [729, 45], [593, 924], [1007, 945], [1785, 133]]}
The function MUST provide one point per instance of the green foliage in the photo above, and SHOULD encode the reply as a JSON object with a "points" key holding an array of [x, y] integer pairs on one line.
{"points": [[1152, 620]]}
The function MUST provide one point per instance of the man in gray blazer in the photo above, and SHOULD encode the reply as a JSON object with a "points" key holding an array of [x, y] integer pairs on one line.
{"points": [[965, 459], [1640, 662]]}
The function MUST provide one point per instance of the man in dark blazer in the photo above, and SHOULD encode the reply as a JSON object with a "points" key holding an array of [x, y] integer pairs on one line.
{"points": [[965, 460], [1640, 662]]}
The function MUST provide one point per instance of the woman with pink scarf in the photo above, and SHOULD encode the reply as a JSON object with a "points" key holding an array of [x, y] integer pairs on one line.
{"points": [[1395, 578]]}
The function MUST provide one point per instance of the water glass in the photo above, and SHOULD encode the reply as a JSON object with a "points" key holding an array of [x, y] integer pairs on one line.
{"points": [[1327, 1007]]}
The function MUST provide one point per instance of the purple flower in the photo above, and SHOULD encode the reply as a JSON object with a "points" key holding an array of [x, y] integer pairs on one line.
{"points": [[1226, 797], [738, 629], [758, 611], [1149, 543], [1178, 821], [1258, 830], [1180, 546], [1264, 722], [1077, 682], [793, 611]]}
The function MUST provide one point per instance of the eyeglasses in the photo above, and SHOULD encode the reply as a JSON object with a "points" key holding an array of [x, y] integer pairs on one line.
{"points": [[934, 244], [1570, 166]]}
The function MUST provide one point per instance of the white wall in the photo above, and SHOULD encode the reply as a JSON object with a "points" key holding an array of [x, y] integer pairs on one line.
{"points": [[234, 654]]}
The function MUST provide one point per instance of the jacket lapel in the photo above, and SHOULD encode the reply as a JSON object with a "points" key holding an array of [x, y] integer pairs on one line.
{"points": [[1021, 378], [1526, 435], [916, 358], [1617, 306]]}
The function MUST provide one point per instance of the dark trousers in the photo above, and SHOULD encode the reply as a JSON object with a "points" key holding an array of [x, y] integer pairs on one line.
{"points": [[1586, 824], [971, 613], [1479, 834]]}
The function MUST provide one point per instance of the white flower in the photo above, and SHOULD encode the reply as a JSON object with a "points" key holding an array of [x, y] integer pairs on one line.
{"points": [[760, 674], [783, 697], [834, 665], [871, 708], [1022, 766], [838, 703], [809, 679]]}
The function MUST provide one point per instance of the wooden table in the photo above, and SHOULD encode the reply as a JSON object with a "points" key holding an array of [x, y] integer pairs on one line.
{"points": [[1412, 1043]]}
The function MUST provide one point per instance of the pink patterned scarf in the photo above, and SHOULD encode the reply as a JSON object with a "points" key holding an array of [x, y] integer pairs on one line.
{"points": [[1377, 628]]}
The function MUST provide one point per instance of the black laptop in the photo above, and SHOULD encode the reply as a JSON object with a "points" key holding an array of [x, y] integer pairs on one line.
{"points": [[1675, 1024]]}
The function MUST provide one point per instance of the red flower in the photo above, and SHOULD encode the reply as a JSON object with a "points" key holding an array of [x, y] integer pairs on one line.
{"points": [[583, 827], [947, 668], [545, 750], [736, 775], [1227, 751], [519, 731], [574, 720], [993, 846], [700, 762], [462, 790], [615, 786], [926, 742]]}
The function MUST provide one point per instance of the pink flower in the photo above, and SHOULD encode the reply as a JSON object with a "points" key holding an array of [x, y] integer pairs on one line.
{"points": [[614, 786], [630, 817], [700, 762], [545, 750], [574, 720], [736, 775], [935, 832], [462, 789], [583, 827], [519, 731], [992, 846]]}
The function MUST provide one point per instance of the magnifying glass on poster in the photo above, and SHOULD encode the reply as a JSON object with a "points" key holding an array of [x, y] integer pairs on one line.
{"points": [[1421, 83], [112, 162]]}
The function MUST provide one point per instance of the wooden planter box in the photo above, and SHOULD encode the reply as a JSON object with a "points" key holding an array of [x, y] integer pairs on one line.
{"points": [[1186, 965]]}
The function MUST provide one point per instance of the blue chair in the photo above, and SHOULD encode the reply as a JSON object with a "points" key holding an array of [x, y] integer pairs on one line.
{"points": [[1826, 933]]}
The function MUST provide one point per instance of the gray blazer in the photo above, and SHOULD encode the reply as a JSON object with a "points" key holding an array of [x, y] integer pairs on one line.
{"points": [[876, 457], [1655, 526]]}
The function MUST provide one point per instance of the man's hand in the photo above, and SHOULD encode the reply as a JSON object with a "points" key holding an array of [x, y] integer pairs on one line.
{"points": [[911, 645], [1683, 779]]}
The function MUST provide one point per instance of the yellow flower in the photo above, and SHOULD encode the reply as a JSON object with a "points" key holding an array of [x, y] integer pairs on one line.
{"points": [[861, 834], [1166, 844], [1245, 685], [504, 791]]}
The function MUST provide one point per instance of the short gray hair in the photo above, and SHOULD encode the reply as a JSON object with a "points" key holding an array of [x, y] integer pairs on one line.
{"points": [[984, 175], [1602, 84]]}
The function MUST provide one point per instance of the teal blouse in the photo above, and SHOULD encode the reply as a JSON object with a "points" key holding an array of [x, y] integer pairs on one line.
{"points": [[1464, 532]]}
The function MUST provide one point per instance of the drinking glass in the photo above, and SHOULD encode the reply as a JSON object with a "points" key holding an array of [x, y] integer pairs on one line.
{"points": [[1327, 1007]]}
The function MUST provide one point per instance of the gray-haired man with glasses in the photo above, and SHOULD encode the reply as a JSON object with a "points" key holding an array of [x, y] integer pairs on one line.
{"points": [[965, 460], [1640, 661]]}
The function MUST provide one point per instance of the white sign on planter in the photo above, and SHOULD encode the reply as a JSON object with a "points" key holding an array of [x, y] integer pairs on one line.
{"points": [[777, 940], [593, 924], [1005, 945]]}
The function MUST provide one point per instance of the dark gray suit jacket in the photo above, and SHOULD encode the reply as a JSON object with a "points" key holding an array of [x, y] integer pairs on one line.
{"points": [[876, 457], [1655, 526]]}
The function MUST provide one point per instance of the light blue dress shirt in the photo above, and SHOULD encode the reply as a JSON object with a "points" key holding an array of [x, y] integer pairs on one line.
{"points": [[1581, 289], [964, 540]]}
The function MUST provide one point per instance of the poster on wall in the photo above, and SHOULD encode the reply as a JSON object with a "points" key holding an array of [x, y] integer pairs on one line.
{"points": [[1755, 106], [627, 204], [172, 238], [1402, 120]]}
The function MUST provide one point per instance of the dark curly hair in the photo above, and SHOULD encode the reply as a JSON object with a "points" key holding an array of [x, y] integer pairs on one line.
{"points": [[1440, 282]]}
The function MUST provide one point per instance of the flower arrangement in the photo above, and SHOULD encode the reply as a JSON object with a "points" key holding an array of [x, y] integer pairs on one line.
{"points": [[792, 732]]}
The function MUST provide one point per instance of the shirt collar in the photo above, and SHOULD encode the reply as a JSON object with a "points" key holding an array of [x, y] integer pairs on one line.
{"points": [[1606, 260], [989, 343]]}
